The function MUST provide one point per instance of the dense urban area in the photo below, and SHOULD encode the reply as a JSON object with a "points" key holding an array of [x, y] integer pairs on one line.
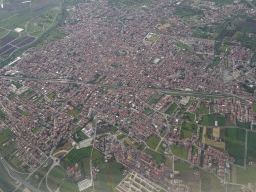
{"points": [[126, 95]]}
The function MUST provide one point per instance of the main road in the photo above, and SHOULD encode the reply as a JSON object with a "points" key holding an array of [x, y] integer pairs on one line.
{"points": [[14, 175]]}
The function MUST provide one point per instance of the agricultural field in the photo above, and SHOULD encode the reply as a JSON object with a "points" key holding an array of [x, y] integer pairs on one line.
{"points": [[76, 154], [245, 176], [207, 120], [235, 144], [97, 157], [56, 177], [251, 145], [171, 109], [153, 141], [210, 183], [179, 152]]}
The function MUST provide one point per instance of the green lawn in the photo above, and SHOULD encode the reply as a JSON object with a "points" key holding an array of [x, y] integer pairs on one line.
{"points": [[171, 109], [36, 129], [202, 109], [179, 152], [236, 149], [12, 95], [158, 157], [153, 141], [146, 111], [4, 135], [22, 112], [55, 178], [190, 116], [2, 115], [73, 112], [153, 38], [76, 154], [245, 176], [154, 99], [150, 152], [51, 95], [97, 157], [254, 107], [186, 133], [160, 148], [221, 120]]}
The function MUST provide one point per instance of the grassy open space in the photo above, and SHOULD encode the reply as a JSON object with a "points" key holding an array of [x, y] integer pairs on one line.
{"points": [[51, 95], [36, 129], [158, 157], [150, 152], [55, 178], [68, 186], [179, 152], [131, 144], [168, 162], [97, 157], [190, 116], [4, 135], [154, 99], [7, 183], [153, 38], [37, 176], [210, 183], [146, 111], [76, 154], [207, 120], [153, 141], [171, 109], [251, 145], [183, 166], [39, 98], [109, 176], [245, 176]]}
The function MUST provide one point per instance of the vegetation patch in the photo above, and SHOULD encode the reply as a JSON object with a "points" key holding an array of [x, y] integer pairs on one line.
{"points": [[76, 154], [51, 95], [154, 99], [179, 152], [171, 109], [153, 141], [56, 177]]}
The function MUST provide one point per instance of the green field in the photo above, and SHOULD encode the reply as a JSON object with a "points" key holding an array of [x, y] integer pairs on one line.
{"points": [[153, 39], [150, 152], [55, 178], [68, 186], [251, 145], [236, 149], [160, 148], [183, 166], [4, 135], [97, 157], [158, 157], [210, 183], [245, 176], [51, 95], [202, 109], [76, 154], [179, 152], [109, 176], [7, 184], [207, 120], [221, 120], [187, 129], [171, 109], [154, 99], [39, 98], [37, 176], [153, 141], [190, 116], [146, 111]]}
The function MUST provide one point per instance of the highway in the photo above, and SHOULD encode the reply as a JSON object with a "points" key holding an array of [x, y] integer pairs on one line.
{"points": [[14, 175]]}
